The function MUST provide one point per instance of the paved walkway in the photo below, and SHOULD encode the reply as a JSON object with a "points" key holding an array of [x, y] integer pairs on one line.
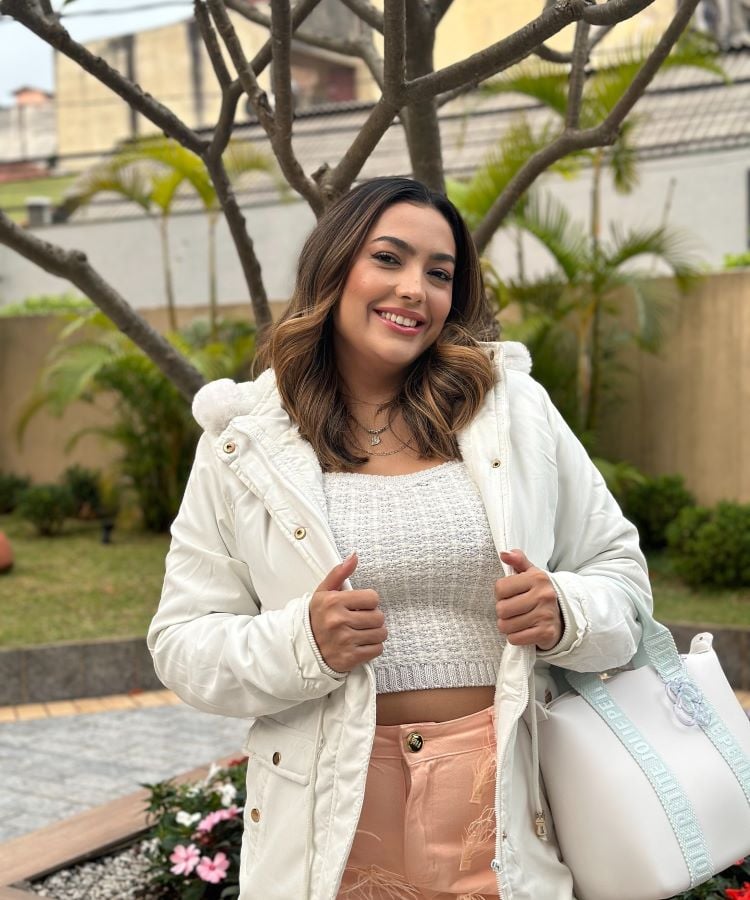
{"points": [[60, 758]]}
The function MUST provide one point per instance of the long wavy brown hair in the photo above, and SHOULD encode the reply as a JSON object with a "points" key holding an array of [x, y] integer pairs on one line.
{"points": [[442, 389]]}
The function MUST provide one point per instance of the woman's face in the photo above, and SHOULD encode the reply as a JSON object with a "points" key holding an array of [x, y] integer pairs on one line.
{"points": [[398, 293]]}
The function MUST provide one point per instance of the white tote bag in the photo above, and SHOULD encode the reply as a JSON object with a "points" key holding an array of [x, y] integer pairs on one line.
{"points": [[647, 772]]}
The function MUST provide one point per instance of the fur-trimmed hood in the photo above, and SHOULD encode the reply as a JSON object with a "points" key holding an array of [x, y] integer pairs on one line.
{"points": [[217, 403]]}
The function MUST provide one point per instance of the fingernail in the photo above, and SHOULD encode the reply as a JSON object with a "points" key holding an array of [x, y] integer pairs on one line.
{"points": [[352, 554]]}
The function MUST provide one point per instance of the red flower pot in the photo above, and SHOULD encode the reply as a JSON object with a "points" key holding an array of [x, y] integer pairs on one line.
{"points": [[6, 554]]}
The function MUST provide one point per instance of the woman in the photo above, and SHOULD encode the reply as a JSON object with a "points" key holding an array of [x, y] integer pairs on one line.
{"points": [[341, 572]]}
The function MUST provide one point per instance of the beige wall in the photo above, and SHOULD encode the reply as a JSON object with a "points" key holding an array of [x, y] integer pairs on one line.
{"points": [[24, 344], [687, 411]]}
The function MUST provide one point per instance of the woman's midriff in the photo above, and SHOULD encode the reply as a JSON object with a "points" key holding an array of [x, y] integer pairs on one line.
{"points": [[434, 705]]}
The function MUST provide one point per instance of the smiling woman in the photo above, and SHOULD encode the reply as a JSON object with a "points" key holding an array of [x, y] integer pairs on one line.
{"points": [[341, 571]]}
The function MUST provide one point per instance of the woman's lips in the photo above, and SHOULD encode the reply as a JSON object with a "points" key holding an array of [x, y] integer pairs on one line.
{"points": [[402, 329]]}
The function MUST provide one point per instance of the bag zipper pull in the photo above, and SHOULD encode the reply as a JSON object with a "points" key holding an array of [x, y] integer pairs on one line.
{"points": [[540, 825]]}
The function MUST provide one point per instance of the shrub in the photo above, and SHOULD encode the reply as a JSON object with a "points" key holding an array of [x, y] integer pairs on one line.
{"points": [[712, 546], [652, 504], [11, 488], [46, 506], [195, 840], [84, 486]]}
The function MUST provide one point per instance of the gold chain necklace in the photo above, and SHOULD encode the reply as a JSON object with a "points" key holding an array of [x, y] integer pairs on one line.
{"points": [[373, 432]]}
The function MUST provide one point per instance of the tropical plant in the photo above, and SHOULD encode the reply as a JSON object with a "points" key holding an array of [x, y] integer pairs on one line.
{"points": [[153, 173], [93, 360], [597, 299], [547, 83]]}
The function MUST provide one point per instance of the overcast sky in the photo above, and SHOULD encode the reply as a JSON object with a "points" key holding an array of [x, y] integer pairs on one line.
{"points": [[27, 60]]}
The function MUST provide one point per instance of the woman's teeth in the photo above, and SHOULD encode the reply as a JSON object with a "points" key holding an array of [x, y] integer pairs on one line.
{"points": [[399, 320]]}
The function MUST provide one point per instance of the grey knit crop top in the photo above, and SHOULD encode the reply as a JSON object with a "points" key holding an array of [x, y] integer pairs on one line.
{"points": [[424, 544]]}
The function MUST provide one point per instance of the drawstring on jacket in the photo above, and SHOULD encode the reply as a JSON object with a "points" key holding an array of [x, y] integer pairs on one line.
{"points": [[540, 823]]}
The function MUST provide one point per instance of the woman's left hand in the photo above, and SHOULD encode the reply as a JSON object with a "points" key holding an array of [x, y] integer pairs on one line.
{"points": [[526, 604]]}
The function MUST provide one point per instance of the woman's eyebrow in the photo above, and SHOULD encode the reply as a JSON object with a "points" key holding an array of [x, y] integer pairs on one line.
{"points": [[403, 245]]}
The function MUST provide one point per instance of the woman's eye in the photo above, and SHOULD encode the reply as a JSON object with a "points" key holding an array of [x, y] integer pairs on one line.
{"points": [[385, 257], [442, 275]]}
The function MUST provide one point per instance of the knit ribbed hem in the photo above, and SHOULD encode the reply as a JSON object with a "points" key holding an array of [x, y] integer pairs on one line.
{"points": [[325, 668], [423, 676]]}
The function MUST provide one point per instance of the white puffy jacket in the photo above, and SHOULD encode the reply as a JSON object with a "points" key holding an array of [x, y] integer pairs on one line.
{"points": [[232, 635]]}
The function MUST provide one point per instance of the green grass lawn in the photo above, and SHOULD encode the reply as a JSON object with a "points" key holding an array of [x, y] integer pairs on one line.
{"points": [[73, 587]]}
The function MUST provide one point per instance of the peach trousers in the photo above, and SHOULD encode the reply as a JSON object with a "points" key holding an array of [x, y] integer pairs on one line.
{"points": [[427, 828]]}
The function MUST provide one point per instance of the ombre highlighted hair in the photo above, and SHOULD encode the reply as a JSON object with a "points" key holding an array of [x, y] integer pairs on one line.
{"points": [[442, 389]]}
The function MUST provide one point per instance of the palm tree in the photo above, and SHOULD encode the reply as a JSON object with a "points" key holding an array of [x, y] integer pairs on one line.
{"points": [[153, 173], [547, 84], [597, 299], [93, 361]]}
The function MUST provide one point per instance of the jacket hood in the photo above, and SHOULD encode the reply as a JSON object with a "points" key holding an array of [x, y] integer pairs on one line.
{"points": [[218, 402]]}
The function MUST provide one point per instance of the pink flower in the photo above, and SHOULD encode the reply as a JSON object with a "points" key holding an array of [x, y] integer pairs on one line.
{"points": [[185, 859], [213, 870], [207, 823]]}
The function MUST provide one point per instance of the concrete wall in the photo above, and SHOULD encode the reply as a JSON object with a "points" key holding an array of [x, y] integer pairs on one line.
{"points": [[27, 131], [688, 410], [127, 254], [703, 195]]}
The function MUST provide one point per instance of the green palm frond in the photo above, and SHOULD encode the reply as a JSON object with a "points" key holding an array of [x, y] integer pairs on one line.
{"points": [[550, 223], [623, 158], [670, 246], [110, 178], [546, 83], [475, 196]]}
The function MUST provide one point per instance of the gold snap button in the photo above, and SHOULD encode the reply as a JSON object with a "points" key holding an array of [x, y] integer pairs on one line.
{"points": [[300, 533], [255, 815], [230, 447], [496, 463], [415, 741], [276, 758]]}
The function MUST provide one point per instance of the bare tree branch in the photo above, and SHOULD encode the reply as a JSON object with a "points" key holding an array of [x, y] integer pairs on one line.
{"points": [[499, 56], [602, 135], [614, 11], [211, 42], [280, 138], [577, 75], [300, 12], [56, 36], [281, 73], [438, 8], [556, 56], [75, 267], [225, 123], [394, 51], [367, 13], [245, 247], [340, 179]]}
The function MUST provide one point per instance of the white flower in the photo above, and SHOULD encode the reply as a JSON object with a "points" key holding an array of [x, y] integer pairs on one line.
{"points": [[186, 818], [227, 792]]}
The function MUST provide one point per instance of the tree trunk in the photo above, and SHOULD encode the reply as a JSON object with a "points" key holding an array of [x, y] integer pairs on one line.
{"points": [[420, 120], [167, 266], [213, 300]]}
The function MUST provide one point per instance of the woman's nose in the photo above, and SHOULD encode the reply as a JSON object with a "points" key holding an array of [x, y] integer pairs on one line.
{"points": [[411, 284]]}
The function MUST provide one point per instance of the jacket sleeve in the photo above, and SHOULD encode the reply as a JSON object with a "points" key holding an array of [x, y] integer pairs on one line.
{"points": [[597, 567], [210, 643]]}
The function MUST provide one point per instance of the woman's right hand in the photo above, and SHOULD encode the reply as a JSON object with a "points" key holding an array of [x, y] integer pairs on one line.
{"points": [[348, 627]]}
